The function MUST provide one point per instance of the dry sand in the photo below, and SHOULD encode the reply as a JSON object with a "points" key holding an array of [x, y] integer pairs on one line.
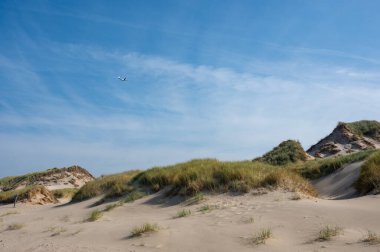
{"points": [[295, 225]]}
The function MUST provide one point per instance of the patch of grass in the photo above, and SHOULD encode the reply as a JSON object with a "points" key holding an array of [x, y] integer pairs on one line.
{"points": [[9, 196], [371, 238], [321, 167], [202, 175], [30, 179], [289, 151], [95, 215], [110, 207], [134, 195], [328, 232], [365, 128], [65, 193], [15, 226], [143, 229], [369, 179], [183, 213], [207, 208], [295, 196], [9, 213], [56, 230], [115, 185], [262, 236]]}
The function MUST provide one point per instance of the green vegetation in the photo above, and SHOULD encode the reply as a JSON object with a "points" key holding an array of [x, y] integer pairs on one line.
{"points": [[132, 196], [95, 215], [364, 128], [56, 230], [369, 179], [111, 206], [183, 213], [289, 151], [372, 238], [207, 208], [321, 167], [115, 185], [199, 175], [329, 232], [262, 236], [145, 228], [64, 193], [9, 196], [15, 226], [11, 183]]}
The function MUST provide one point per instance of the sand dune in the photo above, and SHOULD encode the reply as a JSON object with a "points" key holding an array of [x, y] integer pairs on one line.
{"points": [[339, 185], [229, 227]]}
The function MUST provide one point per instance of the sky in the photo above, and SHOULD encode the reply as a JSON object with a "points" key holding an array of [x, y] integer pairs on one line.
{"points": [[206, 79]]}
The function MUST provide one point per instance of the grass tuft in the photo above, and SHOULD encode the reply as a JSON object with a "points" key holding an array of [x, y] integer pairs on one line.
{"points": [[369, 179], [57, 231], [111, 206], [115, 185], [183, 213], [15, 226], [327, 233], [95, 215], [132, 196], [65, 193], [371, 238], [145, 228], [207, 208], [262, 236]]}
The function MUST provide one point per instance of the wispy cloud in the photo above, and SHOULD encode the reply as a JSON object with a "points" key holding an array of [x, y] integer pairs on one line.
{"points": [[171, 111]]}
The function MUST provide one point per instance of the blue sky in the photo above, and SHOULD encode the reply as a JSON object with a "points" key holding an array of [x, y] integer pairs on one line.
{"points": [[221, 79]]}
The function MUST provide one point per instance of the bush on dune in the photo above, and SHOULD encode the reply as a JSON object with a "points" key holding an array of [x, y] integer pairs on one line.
{"points": [[369, 179], [112, 186], [198, 175], [289, 151]]}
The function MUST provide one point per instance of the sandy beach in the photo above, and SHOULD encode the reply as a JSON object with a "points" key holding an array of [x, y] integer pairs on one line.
{"points": [[229, 225]]}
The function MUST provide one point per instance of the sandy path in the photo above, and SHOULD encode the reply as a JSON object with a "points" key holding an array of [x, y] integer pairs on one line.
{"points": [[339, 185], [295, 225]]}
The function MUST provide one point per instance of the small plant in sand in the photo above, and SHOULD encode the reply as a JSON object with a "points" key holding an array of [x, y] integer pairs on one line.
{"points": [[371, 238], [183, 213], [15, 226], [111, 206], [144, 229], [262, 236], [329, 232], [295, 196], [57, 231], [95, 215], [207, 208]]}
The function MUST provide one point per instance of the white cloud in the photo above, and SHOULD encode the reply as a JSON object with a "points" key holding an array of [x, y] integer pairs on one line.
{"points": [[172, 111]]}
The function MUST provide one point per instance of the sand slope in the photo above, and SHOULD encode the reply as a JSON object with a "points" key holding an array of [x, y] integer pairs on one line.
{"points": [[295, 225], [339, 185]]}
